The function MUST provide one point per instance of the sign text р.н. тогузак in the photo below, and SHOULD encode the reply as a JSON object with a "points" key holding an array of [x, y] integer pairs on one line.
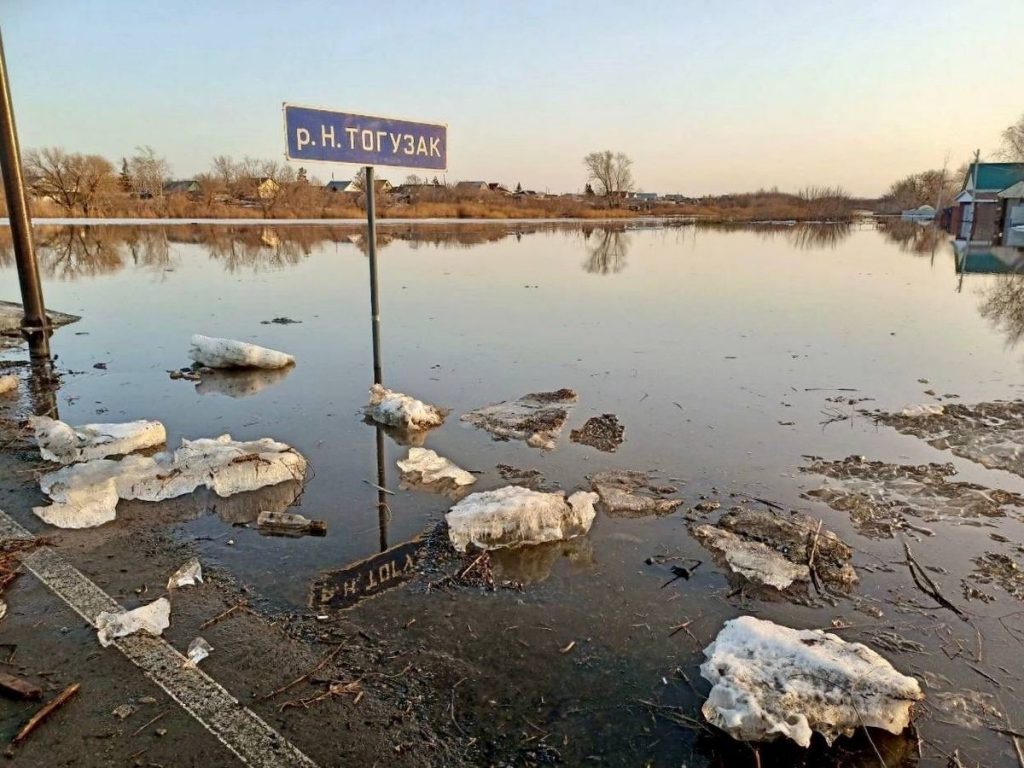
{"points": [[319, 135]]}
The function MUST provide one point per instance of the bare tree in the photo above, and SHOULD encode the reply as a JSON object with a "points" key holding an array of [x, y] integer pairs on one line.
{"points": [[1013, 142], [610, 171], [75, 182], [149, 172]]}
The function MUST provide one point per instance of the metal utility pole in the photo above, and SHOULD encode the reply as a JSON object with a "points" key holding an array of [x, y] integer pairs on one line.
{"points": [[371, 239], [17, 210]]}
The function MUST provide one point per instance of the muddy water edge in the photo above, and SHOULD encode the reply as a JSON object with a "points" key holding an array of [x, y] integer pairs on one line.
{"points": [[745, 367]]}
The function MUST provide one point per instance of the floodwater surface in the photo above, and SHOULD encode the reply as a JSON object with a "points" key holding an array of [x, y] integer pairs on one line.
{"points": [[730, 356]]}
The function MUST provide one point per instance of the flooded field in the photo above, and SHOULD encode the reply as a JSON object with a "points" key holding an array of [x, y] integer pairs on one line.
{"points": [[738, 370]]}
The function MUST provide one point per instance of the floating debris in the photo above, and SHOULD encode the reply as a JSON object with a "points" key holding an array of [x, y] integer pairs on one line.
{"points": [[288, 524], [423, 468], [397, 410], [368, 578], [228, 353], [65, 444], [1003, 570], [537, 418], [187, 575], [280, 321], [879, 497], [970, 709], [152, 618], [769, 681], [513, 516], [601, 432], [85, 495], [991, 434], [630, 493], [528, 478]]}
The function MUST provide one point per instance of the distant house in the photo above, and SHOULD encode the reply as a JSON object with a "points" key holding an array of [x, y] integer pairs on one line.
{"points": [[644, 197], [472, 186], [341, 186], [184, 187], [976, 209], [352, 186], [495, 186], [410, 192]]}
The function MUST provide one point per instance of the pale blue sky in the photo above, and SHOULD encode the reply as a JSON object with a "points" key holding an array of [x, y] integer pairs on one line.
{"points": [[706, 97]]}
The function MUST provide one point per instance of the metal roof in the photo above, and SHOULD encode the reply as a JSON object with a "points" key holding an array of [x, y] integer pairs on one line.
{"points": [[1016, 190], [995, 176]]}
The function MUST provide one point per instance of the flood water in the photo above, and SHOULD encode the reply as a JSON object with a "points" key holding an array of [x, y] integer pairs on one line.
{"points": [[727, 354]]}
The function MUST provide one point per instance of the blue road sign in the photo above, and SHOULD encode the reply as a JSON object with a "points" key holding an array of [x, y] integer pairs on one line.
{"points": [[319, 135]]}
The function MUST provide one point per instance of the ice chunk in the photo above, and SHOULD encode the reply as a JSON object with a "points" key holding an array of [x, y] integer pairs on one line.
{"points": [[752, 559], [228, 353], [81, 507], [65, 444], [186, 576], [511, 516], [198, 650], [225, 466], [397, 410], [152, 618], [769, 681], [536, 418], [287, 524], [627, 492], [8, 384], [424, 467], [776, 550], [602, 432]]}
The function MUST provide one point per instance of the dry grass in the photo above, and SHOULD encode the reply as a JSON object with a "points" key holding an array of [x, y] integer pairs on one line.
{"points": [[318, 204]]}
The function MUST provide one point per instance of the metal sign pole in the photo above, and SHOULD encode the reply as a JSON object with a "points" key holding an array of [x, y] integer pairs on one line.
{"points": [[371, 238], [17, 210]]}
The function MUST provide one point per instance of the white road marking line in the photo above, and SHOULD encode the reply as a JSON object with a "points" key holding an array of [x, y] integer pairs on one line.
{"points": [[235, 726]]}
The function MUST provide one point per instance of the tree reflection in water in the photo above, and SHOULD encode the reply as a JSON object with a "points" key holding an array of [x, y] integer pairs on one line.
{"points": [[912, 237], [608, 247], [1002, 305]]}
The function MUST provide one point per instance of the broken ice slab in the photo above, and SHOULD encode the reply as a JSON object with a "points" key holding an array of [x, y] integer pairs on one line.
{"points": [[537, 418], [152, 618], [65, 444], [423, 468], [917, 411], [879, 497], [8, 384], [86, 494], [187, 575], [287, 524], [778, 551], [630, 493], [228, 353], [991, 434], [770, 681], [12, 314], [399, 410], [513, 516]]}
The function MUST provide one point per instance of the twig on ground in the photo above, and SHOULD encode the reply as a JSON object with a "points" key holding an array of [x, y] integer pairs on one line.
{"points": [[44, 712], [323, 662]]}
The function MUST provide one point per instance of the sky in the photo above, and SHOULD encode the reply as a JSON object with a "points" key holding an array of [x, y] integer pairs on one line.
{"points": [[706, 97]]}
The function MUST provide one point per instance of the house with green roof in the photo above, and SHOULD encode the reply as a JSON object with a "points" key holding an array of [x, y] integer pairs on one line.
{"points": [[979, 212]]}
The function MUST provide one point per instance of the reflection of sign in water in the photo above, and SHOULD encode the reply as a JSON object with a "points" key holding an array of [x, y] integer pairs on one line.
{"points": [[367, 578], [340, 137]]}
